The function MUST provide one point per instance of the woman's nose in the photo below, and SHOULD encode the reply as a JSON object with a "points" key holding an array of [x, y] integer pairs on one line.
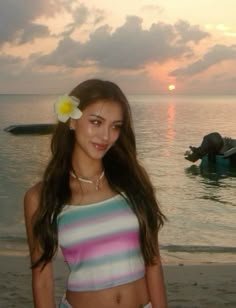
{"points": [[105, 133]]}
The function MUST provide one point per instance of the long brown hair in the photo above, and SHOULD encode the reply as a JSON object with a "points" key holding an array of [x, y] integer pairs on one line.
{"points": [[123, 171]]}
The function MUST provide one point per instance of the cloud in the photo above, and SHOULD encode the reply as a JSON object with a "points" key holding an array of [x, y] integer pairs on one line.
{"points": [[6, 60], [18, 76], [127, 47], [18, 19], [232, 34], [152, 8], [30, 33], [215, 55], [82, 15], [222, 27], [11, 70], [10, 65], [136, 55], [190, 33]]}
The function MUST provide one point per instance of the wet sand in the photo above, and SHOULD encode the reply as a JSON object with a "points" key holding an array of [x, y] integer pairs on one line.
{"points": [[192, 286]]}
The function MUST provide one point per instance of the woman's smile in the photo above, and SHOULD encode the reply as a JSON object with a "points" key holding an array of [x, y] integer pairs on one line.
{"points": [[100, 147]]}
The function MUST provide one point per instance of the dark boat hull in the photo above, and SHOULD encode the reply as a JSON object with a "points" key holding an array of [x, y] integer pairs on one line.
{"points": [[31, 129], [219, 160]]}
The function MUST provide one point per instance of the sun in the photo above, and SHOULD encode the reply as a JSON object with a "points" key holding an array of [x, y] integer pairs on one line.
{"points": [[171, 87]]}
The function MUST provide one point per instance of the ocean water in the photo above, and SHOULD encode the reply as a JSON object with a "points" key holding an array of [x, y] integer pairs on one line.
{"points": [[200, 203]]}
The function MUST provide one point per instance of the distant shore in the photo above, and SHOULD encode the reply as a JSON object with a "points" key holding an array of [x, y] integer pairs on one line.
{"points": [[188, 286]]}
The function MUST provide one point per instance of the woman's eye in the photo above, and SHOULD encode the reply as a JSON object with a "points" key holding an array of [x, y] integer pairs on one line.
{"points": [[117, 127], [95, 122]]}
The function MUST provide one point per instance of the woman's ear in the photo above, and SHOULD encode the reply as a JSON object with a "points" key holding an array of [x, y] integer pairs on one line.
{"points": [[72, 124]]}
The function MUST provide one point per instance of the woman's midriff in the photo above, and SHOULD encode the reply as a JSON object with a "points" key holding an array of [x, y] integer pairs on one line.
{"points": [[130, 295]]}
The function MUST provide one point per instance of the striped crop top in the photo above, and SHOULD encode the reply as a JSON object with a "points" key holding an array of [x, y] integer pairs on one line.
{"points": [[100, 243]]}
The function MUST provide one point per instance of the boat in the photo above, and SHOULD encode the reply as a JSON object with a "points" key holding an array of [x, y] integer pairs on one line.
{"points": [[221, 160], [30, 129], [214, 149]]}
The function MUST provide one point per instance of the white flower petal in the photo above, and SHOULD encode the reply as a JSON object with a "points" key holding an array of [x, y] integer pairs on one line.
{"points": [[74, 100], [76, 114], [63, 118], [66, 107]]}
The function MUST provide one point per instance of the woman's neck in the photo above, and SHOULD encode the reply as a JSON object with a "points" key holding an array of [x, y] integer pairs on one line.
{"points": [[86, 167]]}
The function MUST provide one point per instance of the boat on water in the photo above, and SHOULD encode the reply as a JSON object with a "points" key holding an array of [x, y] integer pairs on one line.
{"points": [[30, 129], [214, 149]]}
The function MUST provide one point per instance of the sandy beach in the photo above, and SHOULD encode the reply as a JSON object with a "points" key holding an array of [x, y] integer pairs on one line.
{"points": [[192, 286]]}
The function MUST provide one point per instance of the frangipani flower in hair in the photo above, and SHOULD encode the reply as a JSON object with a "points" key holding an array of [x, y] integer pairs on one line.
{"points": [[67, 107]]}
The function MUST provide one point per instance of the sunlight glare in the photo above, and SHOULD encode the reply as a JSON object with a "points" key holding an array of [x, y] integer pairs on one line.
{"points": [[171, 87]]}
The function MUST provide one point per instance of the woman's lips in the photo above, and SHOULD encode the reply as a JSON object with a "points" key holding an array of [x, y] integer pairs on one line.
{"points": [[100, 147]]}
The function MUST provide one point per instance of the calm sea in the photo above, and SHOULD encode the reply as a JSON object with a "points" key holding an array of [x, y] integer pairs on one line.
{"points": [[200, 204]]}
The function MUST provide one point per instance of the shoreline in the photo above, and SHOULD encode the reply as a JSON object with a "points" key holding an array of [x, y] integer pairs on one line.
{"points": [[190, 256], [188, 285]]}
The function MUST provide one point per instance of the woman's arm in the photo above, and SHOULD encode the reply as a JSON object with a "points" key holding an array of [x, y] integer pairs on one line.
{"points": [[42, 279], [156, 285]]}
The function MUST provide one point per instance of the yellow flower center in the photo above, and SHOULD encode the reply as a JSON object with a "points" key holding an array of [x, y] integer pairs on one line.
{"points": [[66, 107]]}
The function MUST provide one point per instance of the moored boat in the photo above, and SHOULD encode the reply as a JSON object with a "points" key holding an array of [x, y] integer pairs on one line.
{"points": [[214, 149], [36, 129]]}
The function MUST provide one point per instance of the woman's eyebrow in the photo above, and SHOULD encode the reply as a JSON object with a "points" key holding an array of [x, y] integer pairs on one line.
{"points": [[97, 116], [103, 119], [118, 121]]}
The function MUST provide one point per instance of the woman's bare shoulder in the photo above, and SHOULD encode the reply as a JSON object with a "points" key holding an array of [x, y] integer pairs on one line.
{"points": [[32, 197]]}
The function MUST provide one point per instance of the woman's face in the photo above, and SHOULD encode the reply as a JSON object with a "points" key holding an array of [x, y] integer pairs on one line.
{"points": [[98, 128]]}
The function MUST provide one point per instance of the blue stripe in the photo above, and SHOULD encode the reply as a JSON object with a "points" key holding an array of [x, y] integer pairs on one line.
{"points": [[81, 213]]}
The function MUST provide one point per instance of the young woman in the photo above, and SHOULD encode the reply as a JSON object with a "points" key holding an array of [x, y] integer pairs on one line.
{"points": [[97, 203]]}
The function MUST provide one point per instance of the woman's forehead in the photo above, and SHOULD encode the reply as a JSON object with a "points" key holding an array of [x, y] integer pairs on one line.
{"points": [[105, 109]]}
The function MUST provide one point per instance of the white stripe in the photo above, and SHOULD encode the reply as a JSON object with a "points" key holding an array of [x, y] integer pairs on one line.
{"points": [[75, 235], [108, 272]]}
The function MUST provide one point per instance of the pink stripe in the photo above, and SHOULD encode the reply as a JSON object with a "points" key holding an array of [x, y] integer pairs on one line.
{"points": [[100, 282], [104, 245], [91, 221]]}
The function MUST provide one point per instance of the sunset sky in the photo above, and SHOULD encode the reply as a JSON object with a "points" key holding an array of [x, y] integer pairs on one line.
{"points": [[145, 46]]}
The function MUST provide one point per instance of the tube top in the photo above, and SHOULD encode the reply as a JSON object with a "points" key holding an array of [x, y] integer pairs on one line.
{"points": [[100, 243]]}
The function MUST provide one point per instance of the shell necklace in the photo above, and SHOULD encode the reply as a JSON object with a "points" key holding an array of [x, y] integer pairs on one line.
{"points": [[88, 181]]}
